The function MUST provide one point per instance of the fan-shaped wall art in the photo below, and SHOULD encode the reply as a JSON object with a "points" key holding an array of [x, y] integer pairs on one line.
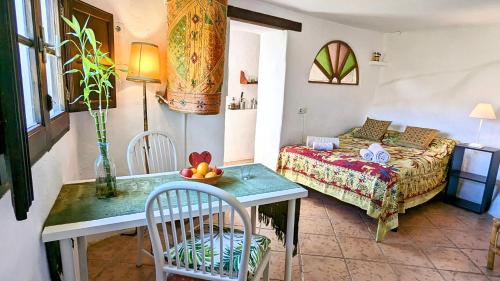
{"points": [[335, 63]]}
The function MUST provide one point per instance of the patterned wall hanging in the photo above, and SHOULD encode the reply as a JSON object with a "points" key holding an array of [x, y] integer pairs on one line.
{"points": [[335, 63], [195, 55]]}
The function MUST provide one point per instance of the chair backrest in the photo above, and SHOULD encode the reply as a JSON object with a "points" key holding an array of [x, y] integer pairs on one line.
{"points": [[151, 152], [188, 202]]}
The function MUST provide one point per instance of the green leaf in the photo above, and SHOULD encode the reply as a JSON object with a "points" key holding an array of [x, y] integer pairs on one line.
{"points": [[77, 99], [75, 57], [71, 71], [76, 25], [91, 37], [63, 43], [86, 22], [70, 23], [89, 64], [86, 93]]}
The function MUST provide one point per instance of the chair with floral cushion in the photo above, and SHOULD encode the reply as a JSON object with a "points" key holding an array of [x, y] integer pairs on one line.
{"points": [[494, 246], [204, 249]]}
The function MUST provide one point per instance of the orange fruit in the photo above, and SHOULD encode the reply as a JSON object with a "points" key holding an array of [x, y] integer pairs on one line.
{"points": [[194, 170], [198, 176], [210, 175], [203, 168]]}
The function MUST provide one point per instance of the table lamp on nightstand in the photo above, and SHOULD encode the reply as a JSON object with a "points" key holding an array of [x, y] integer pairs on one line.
{"points": [[481, 111]]}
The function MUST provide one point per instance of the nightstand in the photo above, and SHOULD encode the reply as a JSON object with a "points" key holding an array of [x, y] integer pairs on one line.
{"points": [[456, 175]]}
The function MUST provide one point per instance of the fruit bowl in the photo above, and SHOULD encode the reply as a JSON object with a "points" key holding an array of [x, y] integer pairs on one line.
{"points": [[200, 170], [212, 181]]}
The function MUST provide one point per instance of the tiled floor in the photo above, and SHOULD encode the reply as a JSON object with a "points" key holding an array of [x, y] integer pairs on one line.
{"points": [[435, 241]]}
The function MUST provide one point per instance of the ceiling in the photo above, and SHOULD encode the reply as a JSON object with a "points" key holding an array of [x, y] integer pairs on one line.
{"points": [[399, 15]]}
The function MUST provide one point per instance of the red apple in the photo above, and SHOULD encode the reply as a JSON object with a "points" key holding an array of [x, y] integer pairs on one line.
{"points": [[187, 172], [216, 170]]}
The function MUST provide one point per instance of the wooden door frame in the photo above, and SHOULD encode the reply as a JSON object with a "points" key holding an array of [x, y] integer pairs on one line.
{"points": [[261, 19]]}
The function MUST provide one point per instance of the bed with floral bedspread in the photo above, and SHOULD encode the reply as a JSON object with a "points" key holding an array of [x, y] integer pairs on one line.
{"points": [[411, 177]]}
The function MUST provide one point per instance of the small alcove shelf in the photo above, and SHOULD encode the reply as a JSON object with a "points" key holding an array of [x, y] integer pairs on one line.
{"points": [[244, 80], [378, 63]]}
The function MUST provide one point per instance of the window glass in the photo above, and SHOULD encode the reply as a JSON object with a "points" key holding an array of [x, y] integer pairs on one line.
{"points": [[53, 58], [29, 86], [21, 18], [48, 21], [54, 85]]}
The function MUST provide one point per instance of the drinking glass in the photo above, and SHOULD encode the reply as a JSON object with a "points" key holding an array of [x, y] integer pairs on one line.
{"points": [[246, 172]]}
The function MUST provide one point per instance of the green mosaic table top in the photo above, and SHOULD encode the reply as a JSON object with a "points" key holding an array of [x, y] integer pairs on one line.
{"points": [[77, 202]]}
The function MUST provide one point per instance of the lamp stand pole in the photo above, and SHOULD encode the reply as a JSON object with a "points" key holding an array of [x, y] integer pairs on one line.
{"points": [[145, 106], [477, 144], [145, 113], [479, 130]]}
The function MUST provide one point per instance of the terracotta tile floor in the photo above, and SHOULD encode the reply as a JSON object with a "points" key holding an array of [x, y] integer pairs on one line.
{"points": [[435, 241]]}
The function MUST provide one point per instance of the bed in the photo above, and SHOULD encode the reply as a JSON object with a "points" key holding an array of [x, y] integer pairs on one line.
{"points": [[412, 176]]}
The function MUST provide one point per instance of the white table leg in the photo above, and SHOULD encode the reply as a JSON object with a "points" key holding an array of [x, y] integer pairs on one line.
{"points": [[82, 258], [253, 217], [290, 222], [68, 265]]}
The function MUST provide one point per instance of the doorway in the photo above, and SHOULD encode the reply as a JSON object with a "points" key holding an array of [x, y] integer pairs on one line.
{"points": [[254, 101]]}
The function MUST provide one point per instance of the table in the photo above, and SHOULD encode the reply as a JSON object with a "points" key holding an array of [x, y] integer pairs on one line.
{"points": [[488, 181], [77, 213]]}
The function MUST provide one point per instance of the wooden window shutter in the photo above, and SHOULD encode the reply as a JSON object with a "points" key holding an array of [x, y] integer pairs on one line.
{"points": [[102, 24]]}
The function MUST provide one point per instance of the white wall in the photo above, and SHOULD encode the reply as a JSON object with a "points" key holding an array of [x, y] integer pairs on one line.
{"points": [[435, 78], [146, 21], [243, 55], [330, 109], [239, 136], [272, 73], [239, 143], [22, 251]]}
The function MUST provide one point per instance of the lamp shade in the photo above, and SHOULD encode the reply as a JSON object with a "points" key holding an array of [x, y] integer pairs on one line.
{"points": [[483, 111], [144, 63], [196, 34]]}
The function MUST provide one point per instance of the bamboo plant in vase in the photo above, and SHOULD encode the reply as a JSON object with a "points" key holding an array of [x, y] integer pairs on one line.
{"points": [[96, 70]]}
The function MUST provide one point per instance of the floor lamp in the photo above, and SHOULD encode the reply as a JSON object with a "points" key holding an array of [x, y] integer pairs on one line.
{"points": [[144, 66]]}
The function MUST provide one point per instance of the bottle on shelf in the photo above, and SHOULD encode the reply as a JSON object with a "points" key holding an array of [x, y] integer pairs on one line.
{"points": [[242, 101], [233, 105]]}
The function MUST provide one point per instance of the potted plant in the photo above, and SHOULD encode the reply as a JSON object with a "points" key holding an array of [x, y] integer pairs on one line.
{"points": [[96, 70]]}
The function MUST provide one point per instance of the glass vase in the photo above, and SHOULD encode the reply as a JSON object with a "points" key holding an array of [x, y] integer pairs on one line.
{"points": [[105, 173]]}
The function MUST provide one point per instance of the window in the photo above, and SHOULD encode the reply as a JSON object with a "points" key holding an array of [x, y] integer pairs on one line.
{"points": [[15, 169], [38, 37], [335, 63], [32, 105]]}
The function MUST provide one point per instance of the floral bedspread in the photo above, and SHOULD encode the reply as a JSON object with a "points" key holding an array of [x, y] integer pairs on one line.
{"points": [[411, 177]]}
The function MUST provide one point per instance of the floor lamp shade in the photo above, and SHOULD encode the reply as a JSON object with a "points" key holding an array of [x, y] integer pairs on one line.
{"points": [[144, 66], [195, 55], [144, 63]]}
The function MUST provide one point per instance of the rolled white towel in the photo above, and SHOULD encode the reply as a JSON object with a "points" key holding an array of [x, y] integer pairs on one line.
{"points": [[322, 146], [366, 154], [380, 155], [311, 139]]}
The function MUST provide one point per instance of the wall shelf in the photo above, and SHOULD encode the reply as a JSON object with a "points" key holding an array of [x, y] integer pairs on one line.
{"points": [[378, 63], [244, 80]]}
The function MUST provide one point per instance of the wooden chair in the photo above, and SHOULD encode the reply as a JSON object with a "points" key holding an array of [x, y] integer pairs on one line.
{"points": [[219, 254], [150, 152], [494, 246]]}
